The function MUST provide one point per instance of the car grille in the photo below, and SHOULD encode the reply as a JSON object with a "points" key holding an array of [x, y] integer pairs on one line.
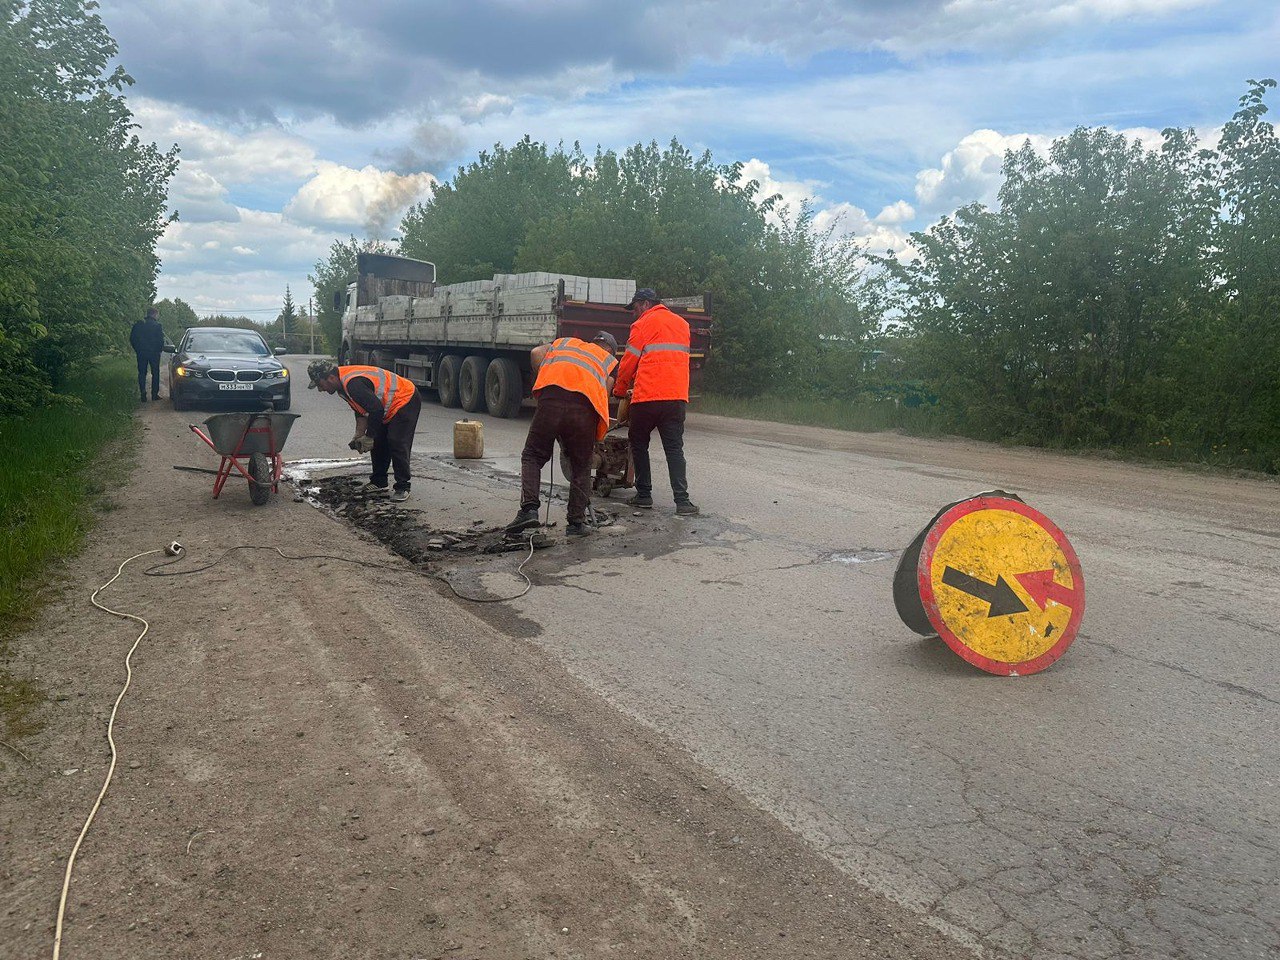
{"points": [[227, 376]]}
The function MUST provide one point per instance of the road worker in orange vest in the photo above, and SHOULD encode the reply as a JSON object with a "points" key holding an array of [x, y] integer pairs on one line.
{"points": [[574, 378], [386, 408], [655, 370]]}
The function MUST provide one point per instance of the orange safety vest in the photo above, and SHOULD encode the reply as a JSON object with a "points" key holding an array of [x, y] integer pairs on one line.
{"points": [[580, 367], [657, 358], [393, 391]]}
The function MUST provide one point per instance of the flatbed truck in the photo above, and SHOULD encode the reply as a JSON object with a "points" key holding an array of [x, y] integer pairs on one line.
{"points": [[470, 342]]}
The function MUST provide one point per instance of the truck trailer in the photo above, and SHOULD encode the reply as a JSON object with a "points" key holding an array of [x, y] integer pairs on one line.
{"points": [[470, 342]]}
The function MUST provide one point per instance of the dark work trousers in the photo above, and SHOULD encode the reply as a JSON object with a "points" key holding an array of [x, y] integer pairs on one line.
{"points": [[393, 444], [667, 416], [570, 418], [149, 361]]}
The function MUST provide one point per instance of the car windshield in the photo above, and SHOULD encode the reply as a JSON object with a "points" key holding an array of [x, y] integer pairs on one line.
{"points": [[228, 343]]}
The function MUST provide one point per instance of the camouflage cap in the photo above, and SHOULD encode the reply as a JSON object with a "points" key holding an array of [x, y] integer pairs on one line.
{"points": [[317, 370]]}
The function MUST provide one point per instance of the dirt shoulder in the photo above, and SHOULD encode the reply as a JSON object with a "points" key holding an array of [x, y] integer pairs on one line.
{"points": [[325, 760]]}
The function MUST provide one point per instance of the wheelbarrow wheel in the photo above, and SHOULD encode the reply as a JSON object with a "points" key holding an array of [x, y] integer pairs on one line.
{"points": [[260, 470]]}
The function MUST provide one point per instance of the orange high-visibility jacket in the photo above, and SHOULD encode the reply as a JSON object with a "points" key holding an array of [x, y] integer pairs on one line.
{"points": [[656, 359], [581, 367], [393, 391]]}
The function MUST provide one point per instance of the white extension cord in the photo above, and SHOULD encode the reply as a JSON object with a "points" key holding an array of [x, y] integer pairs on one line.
{"points": [[174, 549]]}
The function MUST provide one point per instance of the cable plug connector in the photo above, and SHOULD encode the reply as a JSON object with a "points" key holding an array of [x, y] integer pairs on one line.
{"points": [[175, 549]]}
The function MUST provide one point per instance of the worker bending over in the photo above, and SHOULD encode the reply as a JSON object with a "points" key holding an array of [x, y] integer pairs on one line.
{"points": [[386, 408], [572, 389], [655, 368]]}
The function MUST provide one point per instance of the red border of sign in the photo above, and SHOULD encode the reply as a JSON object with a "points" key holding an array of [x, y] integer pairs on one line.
{"points": [[930, 601]]}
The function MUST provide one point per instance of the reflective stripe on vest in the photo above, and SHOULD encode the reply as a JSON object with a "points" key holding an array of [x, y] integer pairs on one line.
{"points": [[658, 351], [562, 352], [393, 391]]}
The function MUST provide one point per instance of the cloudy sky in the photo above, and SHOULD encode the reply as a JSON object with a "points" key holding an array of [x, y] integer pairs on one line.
{"points": [[300, 121]]}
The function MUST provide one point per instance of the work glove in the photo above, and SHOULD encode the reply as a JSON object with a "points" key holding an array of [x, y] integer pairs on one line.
{"points": [[361, 444]]}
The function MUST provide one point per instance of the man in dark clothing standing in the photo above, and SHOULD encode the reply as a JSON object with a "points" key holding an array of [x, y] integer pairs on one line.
{"points": [[147, 340], [386, 408]]}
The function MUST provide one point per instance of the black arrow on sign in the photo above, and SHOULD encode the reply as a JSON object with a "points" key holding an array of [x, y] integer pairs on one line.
{"points": [[1004, 602]]}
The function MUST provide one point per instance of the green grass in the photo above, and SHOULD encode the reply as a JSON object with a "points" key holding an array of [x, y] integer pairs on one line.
{"points": [[59, 463], [864, 416]]}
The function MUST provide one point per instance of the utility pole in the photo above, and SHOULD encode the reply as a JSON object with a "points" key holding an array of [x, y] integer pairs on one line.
{"points": [[311, 317]]}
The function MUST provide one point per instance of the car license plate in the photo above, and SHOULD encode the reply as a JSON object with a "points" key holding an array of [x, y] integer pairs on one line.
{"points": [[235, 386]]}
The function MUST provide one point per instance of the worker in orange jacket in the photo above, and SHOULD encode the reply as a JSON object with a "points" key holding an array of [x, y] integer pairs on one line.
{"points": [[655, 369], [574, 378], [386, 408]]}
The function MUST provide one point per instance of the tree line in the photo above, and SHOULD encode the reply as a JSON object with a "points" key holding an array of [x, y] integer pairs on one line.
{"points": [[1118, 295], [82, 199]]}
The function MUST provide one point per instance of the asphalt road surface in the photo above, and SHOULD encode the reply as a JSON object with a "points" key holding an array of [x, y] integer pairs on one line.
{"points": [[1122, 803]]}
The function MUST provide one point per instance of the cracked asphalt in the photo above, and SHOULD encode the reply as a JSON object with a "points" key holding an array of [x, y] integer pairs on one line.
{"points": [[1121, 803]]}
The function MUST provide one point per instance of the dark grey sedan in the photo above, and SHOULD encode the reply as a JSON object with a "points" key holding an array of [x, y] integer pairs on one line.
{"points": [[213, 364]]}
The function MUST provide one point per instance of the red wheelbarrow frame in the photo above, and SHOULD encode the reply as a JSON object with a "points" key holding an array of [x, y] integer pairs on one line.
{"points": [[232, 461]]}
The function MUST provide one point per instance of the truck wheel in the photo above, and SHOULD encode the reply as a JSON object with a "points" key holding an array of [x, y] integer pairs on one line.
{"points": [[260, 470], [471, 383], [503, 388], [344, 354], [447, 369]]}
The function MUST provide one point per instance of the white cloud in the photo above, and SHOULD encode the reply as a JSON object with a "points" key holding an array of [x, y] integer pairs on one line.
{"points": [[884, 232], [266, 154], [971, 170], [370, 199], [478, 107], [898, 212], [199, 197], [793, 193]]}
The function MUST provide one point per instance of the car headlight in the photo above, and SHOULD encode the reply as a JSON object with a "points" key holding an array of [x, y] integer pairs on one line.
{"points": [[189, 372], [283, 373]]}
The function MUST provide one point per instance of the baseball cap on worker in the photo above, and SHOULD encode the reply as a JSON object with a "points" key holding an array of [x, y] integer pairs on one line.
{"points": [[644, 293], [317, 370], [606, 340]]}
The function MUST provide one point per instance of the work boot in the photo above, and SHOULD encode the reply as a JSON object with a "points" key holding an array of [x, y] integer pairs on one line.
{"points": [[399, 496], [142, 398], [525, 520], [371, 489], [642, 500], [579, 529], [686, 509]]}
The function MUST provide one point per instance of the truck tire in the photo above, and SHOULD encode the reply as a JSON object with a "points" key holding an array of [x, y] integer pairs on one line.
{"points": [[344, 354], [503, 388], [447, 369], [471, 383], [260, 470]]}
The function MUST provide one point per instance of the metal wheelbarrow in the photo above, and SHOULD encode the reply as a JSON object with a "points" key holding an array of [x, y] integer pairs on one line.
{"points": [[249, 443]]}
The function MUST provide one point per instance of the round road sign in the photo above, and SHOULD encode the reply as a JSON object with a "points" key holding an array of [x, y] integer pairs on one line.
{"points": [[1001, 585]]}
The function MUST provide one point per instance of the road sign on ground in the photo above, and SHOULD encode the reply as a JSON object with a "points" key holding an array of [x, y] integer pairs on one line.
{"points": [[998, 581]]}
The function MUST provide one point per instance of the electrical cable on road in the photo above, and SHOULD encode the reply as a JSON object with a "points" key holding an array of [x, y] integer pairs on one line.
{"points": [[111, 722], [179, 553]]}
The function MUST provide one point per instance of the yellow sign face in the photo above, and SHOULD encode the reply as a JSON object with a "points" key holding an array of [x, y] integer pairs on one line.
{"points": [[1002, 585]]}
